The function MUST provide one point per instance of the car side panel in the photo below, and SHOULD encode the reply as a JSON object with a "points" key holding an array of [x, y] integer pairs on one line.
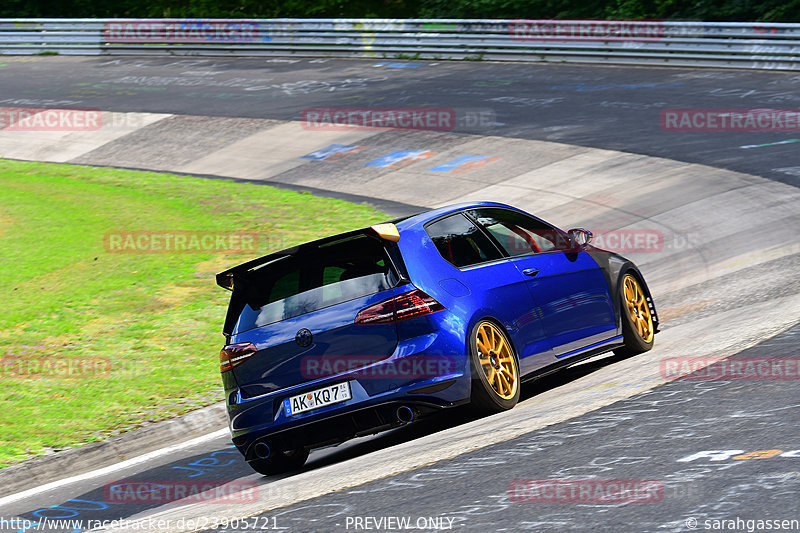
{"points": [[572, 293], [495, 289]]}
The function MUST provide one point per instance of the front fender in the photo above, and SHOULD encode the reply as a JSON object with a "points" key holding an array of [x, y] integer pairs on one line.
{"points": [[614, 267]]}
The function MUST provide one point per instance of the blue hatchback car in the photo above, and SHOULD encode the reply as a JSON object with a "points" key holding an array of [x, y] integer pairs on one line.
{"points": [[368, 330]]}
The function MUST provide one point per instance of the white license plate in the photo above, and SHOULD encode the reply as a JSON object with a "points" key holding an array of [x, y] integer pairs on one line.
{"points": [[317, 398]]}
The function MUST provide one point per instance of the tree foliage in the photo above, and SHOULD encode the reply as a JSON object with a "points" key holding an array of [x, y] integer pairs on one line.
{"points": [[702, 10]]}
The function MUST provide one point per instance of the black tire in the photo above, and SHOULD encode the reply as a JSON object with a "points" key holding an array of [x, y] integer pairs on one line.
{"points": [[637, 321], [280, 462], [485, 396]]}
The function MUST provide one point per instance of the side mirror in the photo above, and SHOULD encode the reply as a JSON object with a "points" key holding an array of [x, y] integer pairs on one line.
{"points": [[580, 237]]}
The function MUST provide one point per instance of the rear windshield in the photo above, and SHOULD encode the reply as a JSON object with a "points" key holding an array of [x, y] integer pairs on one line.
{"points": [[327, 275]]}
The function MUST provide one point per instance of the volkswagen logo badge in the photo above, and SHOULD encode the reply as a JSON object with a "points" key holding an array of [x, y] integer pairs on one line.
{"points": [[303, 337]]}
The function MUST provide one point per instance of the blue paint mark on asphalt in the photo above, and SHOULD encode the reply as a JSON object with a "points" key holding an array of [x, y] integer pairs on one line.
{"points": [[398, 158], [201, 465], [331, 149], [460, 162], [71, 510], [398, 65]]}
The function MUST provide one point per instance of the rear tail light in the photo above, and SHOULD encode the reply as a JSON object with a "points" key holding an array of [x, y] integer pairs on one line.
{"points": [[406, 305], [233, 355]]}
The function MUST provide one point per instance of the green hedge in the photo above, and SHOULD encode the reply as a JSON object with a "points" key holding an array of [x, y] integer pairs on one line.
{"points": [[726, 10]]}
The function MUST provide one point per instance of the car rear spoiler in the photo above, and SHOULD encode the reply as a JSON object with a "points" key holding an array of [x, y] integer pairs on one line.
{"points": [[386, 231]]}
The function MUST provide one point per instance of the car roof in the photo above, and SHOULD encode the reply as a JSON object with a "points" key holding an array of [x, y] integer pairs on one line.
{"points": [[403, 223], [426, 216]]}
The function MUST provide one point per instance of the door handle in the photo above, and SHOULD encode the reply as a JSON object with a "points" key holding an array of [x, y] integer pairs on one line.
{"points": [[530, 271]]}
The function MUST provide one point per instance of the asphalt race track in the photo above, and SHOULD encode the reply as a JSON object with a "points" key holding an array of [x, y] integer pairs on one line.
{"points": [[645, 437], [650, 436], [604, 107], [713, 451]]}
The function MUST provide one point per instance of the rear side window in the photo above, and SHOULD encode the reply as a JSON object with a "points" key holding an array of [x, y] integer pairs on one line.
{"points": [[520, 234], [460, 242], [314, 279]]}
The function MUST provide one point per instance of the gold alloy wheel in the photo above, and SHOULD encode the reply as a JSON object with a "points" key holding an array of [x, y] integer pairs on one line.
{"points": [[638, 309], [496, 360]]}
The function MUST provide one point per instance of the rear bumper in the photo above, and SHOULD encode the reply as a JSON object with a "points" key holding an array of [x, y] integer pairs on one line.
{"points": [[417, 375], [366, 419]]}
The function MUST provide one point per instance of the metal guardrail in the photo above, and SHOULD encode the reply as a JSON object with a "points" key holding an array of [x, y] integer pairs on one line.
{"points": [[689, 44]]}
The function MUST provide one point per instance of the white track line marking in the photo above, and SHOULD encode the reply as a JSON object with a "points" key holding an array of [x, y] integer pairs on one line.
{"points": [[113, 468]]}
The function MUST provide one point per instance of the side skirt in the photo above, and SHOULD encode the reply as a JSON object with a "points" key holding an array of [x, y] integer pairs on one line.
{"points": [[571, 358]]}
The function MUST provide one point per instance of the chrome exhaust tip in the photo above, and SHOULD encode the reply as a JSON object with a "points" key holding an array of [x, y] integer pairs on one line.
{"points": [[261, 450], [405, 414]]}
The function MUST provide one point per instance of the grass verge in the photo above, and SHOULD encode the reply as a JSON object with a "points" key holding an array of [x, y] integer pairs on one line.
{"points": [[100, 332]]}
